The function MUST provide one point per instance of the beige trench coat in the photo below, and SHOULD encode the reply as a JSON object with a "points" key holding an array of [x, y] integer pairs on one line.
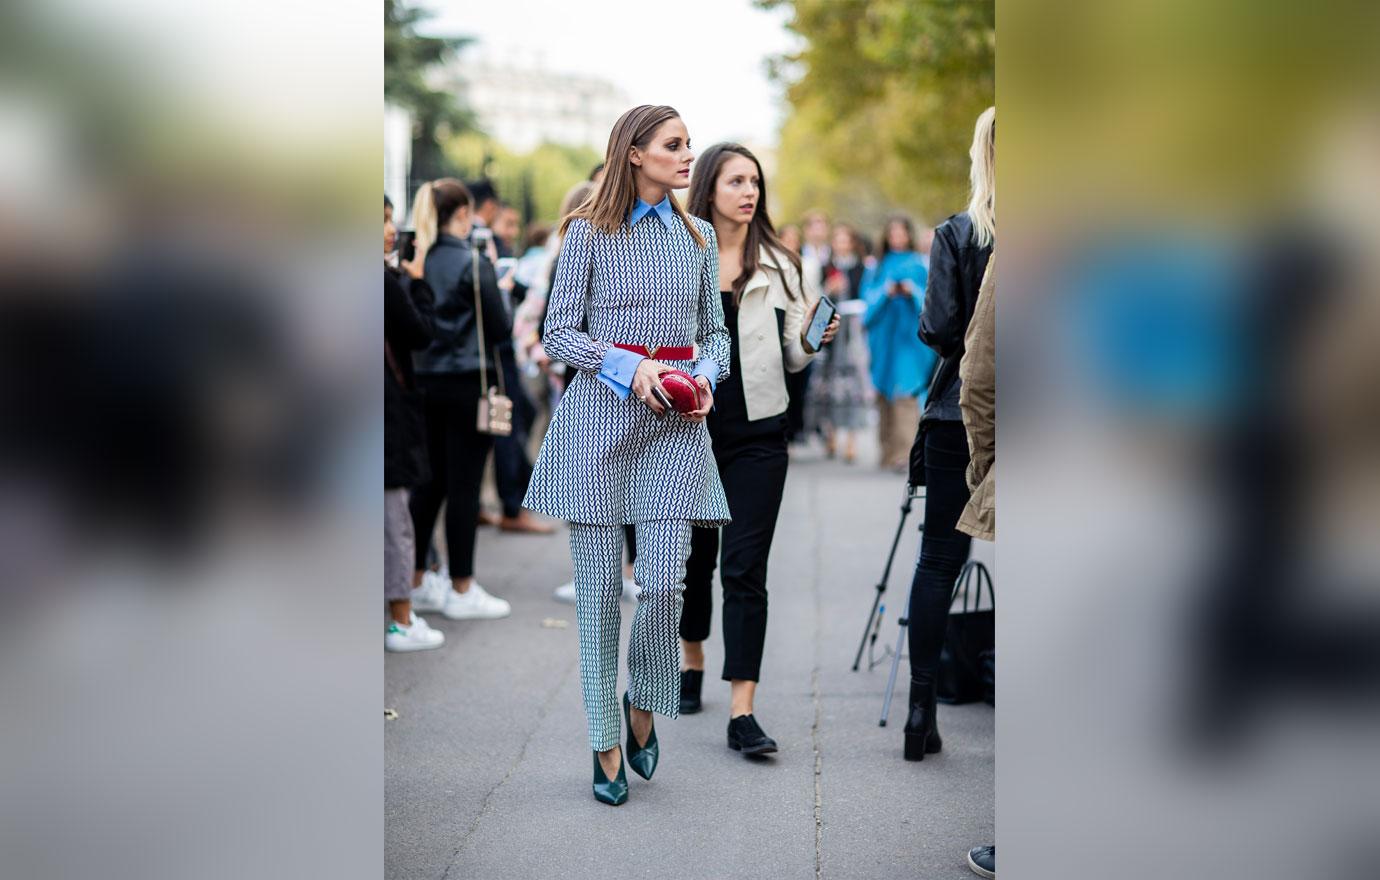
{"points": [[977, 399]]}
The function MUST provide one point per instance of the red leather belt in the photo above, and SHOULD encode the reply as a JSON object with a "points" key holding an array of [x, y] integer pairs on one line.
{"points": [[661, 352]]}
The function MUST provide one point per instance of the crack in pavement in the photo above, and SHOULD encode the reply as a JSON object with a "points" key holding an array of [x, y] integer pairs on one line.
{"points": [[814, 684], [522, 753]]}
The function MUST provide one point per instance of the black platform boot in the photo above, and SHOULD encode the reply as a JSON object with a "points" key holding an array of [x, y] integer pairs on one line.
{"points": [[922, 732]]}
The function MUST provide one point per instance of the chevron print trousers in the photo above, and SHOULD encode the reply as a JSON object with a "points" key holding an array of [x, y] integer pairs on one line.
{"points": [[654, 648]]}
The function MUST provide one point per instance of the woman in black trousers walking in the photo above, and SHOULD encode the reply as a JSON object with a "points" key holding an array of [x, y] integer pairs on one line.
{"points": [[962, 246], [766, 309]]}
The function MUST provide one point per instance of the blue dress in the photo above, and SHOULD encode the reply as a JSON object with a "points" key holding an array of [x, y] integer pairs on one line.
{"points": [[901, 363], [607, 459]]}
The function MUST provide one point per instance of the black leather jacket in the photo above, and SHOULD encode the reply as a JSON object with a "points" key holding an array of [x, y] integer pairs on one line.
{"points": [[956, 267], [455, 345]]}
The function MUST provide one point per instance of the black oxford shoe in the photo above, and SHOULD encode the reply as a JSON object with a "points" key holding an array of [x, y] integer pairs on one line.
{"points": [[746, 735]]}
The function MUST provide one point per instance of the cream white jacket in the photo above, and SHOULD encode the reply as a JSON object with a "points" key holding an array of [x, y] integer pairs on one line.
{"points": [[764, 360]]}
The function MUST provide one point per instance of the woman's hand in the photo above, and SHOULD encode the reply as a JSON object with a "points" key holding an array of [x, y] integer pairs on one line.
{"points": [[831, 331], [706, 400], [649, 374], [539, 356], [412, 267]]}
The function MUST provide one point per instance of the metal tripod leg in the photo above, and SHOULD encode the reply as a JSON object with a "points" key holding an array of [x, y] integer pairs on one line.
{"points": [[872, 615], [904, 624]]}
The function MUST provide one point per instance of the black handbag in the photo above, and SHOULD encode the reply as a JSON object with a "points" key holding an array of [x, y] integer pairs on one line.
{"points": [[967, 663]]}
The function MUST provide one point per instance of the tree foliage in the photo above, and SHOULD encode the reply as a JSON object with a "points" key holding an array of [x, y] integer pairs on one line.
{"points": [[407, 56], [534, 182], [883, 98]]}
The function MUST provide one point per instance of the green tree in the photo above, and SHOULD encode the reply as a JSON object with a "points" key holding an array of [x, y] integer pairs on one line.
{"points": [[534, 182], [883, 98], [406, 58]]}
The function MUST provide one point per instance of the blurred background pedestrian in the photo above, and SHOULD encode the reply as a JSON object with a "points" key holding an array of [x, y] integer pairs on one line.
{"points": [[894, 292], [962, 248], [841, 388], [452, 371], [408, 325]]}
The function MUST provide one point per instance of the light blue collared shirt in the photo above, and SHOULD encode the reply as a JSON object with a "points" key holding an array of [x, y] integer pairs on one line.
{"points": [[620, 365], [663, 209]]}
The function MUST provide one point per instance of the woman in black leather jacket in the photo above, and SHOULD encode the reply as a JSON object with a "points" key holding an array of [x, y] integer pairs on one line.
{"points": [[448, 372], [962, 246]]}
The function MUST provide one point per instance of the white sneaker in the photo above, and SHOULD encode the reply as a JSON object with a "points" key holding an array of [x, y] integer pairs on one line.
{"points": [[431, 595], [565, 593], [475, 604], [417, 637]]}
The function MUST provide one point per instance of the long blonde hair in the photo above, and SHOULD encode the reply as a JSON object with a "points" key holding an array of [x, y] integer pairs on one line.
{"points": [[424, 220], [982, 208], [607, 207]]}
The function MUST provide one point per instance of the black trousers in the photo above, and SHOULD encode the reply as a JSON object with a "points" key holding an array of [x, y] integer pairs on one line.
{"points": [[753, 470], [458, 452], [512, 467], [943, 548], [797, 387]]}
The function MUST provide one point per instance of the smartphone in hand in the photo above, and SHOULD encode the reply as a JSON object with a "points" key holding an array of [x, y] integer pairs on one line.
{"points": [[662, 398], [824, 313]]}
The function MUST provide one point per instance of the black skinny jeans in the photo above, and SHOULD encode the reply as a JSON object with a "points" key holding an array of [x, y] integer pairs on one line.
{"points": [[753, 470], [458, 453], [943, 548]]}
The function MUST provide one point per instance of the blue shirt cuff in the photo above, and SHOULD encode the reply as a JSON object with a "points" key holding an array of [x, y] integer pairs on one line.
{"points": [[709, 370], [620, 365]]}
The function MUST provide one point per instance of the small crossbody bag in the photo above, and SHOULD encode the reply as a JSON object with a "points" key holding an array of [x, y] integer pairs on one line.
{"points": [[495, 406]]}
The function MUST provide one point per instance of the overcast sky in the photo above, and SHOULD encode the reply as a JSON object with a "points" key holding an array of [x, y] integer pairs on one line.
{"points": [[706, 58]]}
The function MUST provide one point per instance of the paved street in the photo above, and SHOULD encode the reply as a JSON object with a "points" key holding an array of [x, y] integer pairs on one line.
{"points": [[488, 767]]}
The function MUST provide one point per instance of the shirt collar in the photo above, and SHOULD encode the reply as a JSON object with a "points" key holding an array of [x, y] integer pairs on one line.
{"points": [[663, 210]]}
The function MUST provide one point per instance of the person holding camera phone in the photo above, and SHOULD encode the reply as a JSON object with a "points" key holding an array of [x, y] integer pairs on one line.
{"points": [[768, 310], [634, 306], [894, 290], [408, 325]]}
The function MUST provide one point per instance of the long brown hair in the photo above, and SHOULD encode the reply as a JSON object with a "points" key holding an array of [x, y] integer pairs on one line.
{"points": [[608, 206], [760, 229]]}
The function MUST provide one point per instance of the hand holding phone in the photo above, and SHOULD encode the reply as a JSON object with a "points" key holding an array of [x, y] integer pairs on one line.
{"points": [[662, 398], [824, 313]]}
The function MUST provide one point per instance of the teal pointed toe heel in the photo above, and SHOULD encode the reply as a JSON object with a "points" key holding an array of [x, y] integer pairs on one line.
{"points": [[642, 758], [609, 791]]}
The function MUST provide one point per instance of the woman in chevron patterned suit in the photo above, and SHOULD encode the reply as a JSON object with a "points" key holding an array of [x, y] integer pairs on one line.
{"points": [[636, 294]]}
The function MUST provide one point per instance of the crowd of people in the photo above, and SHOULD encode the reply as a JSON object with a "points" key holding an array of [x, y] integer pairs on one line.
{"points": [[567, 337]]}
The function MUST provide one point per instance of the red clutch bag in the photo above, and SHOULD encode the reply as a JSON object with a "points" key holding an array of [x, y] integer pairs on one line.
{"points": [[682, 389]]}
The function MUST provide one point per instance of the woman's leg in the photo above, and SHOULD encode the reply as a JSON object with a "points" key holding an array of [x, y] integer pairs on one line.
{"points": [[596, 551], [426, 499], [467, 451], [943, 549], [654, 652], [754, 479], [905, 418], [884, 432], [630, 541], [699, 594], [399, 555]]}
